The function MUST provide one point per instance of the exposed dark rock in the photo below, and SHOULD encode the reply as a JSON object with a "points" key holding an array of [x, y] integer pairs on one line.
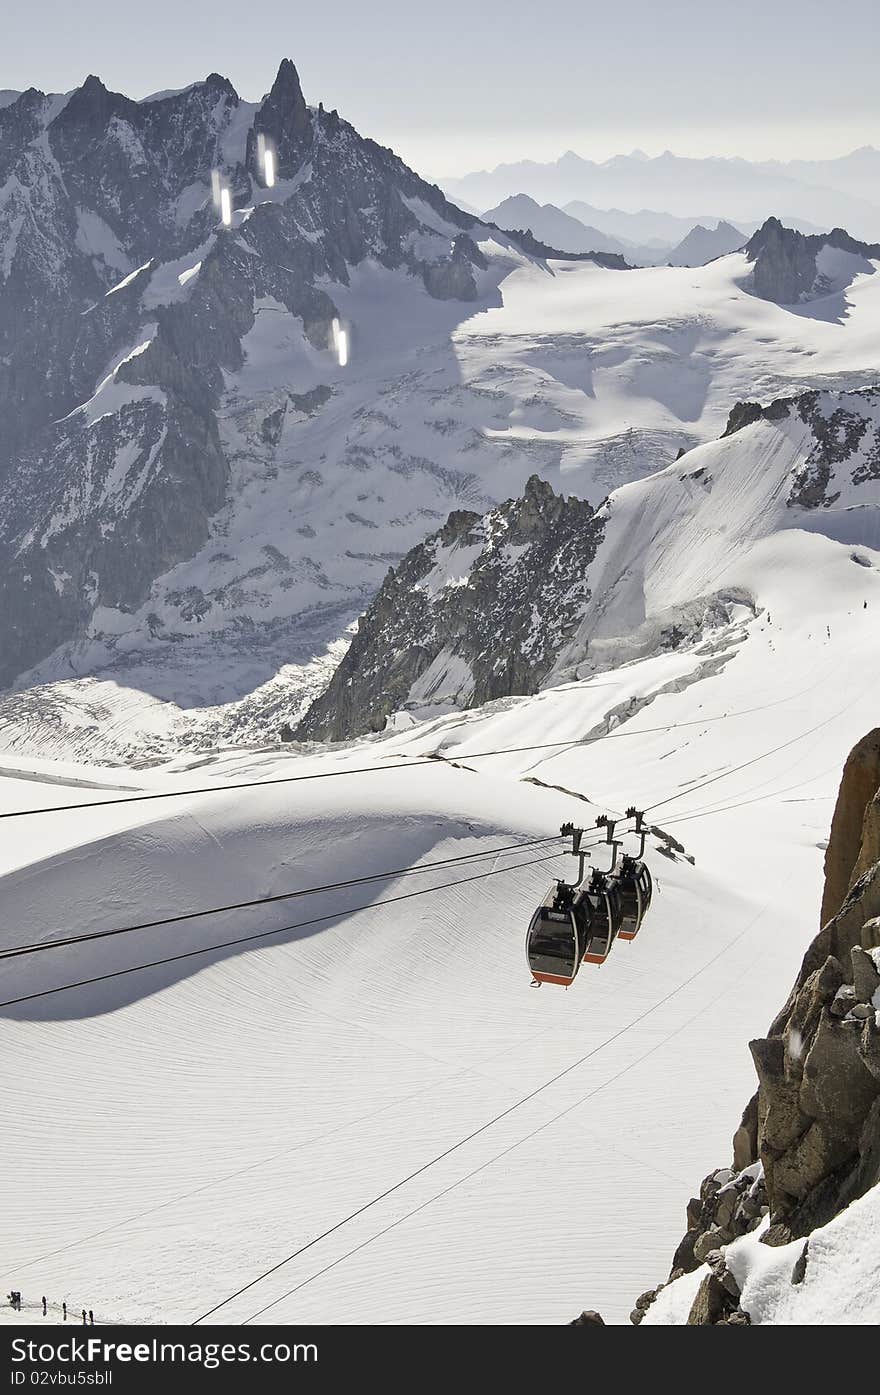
{"points": [[743, 414], [283, 120], [838, 436], [643, 1303], [453, 279], [745, 1140], [799, 1272], [777, 1234], [614, 261], [709, 1241], [485, 605], [866, 976], [845, 448], [785, 260], [712, 1304], [588, 1318], [858, 786]]}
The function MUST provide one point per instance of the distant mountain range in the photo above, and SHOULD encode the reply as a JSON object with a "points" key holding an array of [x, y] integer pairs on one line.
{"points": [[821, 193], [554, 226], [568, 230]]}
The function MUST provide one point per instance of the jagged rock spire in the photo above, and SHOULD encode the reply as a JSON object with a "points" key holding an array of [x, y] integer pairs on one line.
{"points": [[283, 119]]}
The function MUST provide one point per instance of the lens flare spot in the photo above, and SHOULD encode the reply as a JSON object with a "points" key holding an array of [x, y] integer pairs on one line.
{"points": [[269, 168], [340, 343], [225, 207]]}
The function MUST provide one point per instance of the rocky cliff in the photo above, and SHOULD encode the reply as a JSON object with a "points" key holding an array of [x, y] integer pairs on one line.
{"points": [[791, 267], [478, 611], [808, 1144]]}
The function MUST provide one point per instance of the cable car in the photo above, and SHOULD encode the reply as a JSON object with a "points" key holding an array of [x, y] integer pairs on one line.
{"points": [[572, 926], [557, 936], [606, 907], [636, 888]]}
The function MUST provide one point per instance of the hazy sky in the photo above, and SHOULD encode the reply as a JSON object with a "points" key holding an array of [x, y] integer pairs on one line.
{"points": [[459, 85]]}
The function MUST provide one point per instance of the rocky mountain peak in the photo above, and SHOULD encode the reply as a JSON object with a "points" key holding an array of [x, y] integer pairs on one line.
{"points": [[286, 90], [91, 106], [217, 83], [114, 260], [284, 119], [785, 261], [478, 611]]}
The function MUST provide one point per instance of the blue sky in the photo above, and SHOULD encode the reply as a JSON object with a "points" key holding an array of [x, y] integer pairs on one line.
{"points": [[459, 86]]}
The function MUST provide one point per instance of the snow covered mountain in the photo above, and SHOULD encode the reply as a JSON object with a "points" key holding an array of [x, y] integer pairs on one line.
{"points": [[221, 425], [545, 590], [702, 245], [114, 457], [322, 475], [167, 366]]}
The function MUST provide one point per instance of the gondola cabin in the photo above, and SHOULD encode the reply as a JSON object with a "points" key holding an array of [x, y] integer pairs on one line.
{"points": [[635, 888], [603, 898], [556, 937]]}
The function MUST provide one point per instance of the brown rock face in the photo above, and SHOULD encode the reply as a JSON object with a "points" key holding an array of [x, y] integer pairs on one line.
{"points": [[819, 1066], [814, 1124], [858, 787]]}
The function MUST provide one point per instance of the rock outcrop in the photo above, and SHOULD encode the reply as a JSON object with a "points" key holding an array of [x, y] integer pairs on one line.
{"points": [[809, 1140], [788, 266], [854, 843], [478, 611], [845, 441]]}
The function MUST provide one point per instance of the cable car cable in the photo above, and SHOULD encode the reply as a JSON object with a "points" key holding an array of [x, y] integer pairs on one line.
{"points": [[744, 765], [496, 1119], [569, 1109], [436, 758], [37, 947], [265, 934]]}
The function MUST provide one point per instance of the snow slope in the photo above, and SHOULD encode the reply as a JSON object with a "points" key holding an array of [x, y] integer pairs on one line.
{"points": [[733, 522], [178, 1131]]}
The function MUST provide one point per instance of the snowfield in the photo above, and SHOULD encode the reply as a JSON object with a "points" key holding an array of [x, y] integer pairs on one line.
{"points": [[382, 1091]]}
